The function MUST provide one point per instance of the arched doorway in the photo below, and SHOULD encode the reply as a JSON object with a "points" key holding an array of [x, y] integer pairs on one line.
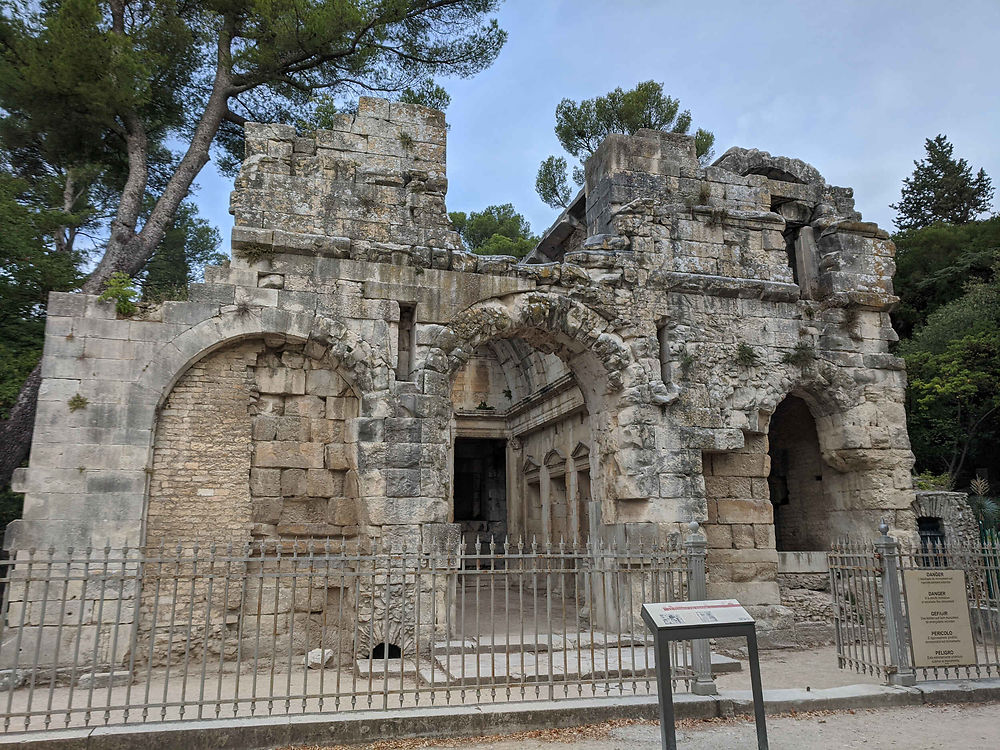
{"points": [[251, 443], [251, 455], [798, 480], [515, 406]]}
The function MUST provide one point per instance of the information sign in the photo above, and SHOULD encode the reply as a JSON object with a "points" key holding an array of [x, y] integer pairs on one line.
{"points": [[697, 621], [939, 617], [712, 612]]}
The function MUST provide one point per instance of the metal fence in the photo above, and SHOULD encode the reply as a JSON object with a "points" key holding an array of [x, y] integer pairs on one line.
{"points": [[871, 611], [115, 637]]}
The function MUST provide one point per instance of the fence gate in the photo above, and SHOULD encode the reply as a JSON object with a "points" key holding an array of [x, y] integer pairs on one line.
{"points": [[871, 611]]}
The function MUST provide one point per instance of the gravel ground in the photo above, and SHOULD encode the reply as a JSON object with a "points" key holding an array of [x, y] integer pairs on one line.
{"points": [[967, 727]]}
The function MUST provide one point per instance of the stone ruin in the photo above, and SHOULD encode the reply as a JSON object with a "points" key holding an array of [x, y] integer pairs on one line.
{"points": [[685, 343]]}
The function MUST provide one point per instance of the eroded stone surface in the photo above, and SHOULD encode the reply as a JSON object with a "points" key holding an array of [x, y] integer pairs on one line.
{"points": [[635, 368]]}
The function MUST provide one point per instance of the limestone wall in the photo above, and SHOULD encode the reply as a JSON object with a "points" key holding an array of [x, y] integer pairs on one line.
{"points": [[198, 490], [700, 299]]}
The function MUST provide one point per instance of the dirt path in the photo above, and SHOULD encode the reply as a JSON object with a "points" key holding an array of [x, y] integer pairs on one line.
{"points": [[968, 727]]}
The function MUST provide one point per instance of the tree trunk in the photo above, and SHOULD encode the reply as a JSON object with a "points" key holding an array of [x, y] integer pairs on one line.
{"points": [[128, 250], [15, 432]]}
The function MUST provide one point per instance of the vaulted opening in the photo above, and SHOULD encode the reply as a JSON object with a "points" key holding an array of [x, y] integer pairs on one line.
{"points": [[796, 480], [521, 446], [387, 651]]}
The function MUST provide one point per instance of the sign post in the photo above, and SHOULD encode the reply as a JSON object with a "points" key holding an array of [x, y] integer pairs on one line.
{"points": [[683, 621]]}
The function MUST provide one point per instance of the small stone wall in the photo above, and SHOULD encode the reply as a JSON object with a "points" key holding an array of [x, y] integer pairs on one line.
{"points": [[958, 522]]}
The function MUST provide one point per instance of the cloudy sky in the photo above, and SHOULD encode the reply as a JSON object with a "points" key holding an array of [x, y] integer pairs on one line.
{"points": [[852, 87]]}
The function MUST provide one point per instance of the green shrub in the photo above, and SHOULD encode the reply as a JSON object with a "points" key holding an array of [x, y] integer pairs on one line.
{"points": [[121, 289], [77, 402]]}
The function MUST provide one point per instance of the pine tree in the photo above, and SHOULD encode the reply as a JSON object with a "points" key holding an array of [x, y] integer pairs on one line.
{"points": [[125, 77], [942, 189], [580, 128]]}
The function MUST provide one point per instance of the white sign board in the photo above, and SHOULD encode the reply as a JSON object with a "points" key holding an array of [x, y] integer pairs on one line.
{"points": [[939, 617], [685, 614]]}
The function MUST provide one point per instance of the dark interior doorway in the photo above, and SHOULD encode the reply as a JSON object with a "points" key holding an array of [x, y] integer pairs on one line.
{"points": [[480, 494], [801, 510]]}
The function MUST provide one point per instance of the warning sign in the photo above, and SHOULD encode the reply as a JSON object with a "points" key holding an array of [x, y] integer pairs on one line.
{"points": [[939, 617]]}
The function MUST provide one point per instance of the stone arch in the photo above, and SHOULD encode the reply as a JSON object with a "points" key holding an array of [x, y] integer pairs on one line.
{"points": [[745, 162], [369, 371], [799, 479], [618, 390], [952, 509], [347, 364], [830, 397], [550, 322]]}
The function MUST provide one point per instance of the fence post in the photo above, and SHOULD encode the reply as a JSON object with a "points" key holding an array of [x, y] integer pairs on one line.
{"points": [[895, 627], [701, 654]]}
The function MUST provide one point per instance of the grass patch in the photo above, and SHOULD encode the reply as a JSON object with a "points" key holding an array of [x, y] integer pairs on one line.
{"points": [[254, 252]]}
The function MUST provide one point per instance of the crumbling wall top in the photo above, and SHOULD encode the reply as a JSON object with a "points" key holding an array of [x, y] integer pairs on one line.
{"points": [[744, 161], [372, 186]]}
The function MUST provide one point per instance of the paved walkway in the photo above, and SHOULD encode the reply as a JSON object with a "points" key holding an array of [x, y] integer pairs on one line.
{"points": [[967, 727], [815, 668]]}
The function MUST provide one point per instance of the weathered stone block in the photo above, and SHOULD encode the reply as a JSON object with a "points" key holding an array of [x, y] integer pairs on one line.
{"points": [[402, 482], [265, 482], [267, 510], [338, 457], [744, 511], [288, 454], [265, 427], [743, 537], [763, 536], [741, 465], [310, 407], [719, 536], [293, 482], [319, 483]]}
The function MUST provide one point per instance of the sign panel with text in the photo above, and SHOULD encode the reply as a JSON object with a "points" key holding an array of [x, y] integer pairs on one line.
{"points": [[939, 617], [711, 612]]}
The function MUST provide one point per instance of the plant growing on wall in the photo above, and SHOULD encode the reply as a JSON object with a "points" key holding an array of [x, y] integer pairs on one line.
{"points": [[254, 252], [746, 355], [77, 402], [121, 290], [801, 355]]}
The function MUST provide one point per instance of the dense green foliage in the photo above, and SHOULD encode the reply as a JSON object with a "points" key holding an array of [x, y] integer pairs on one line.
{"points": [[29, 269], [188, 246], [953, 398], [496, 230], [551, 182], [933, 265], [581, 126], [948, 281], [943, 189]]}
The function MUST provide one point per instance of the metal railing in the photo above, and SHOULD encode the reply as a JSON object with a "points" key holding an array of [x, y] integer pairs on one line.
{"points": [[117, 637], [871, 608]]}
